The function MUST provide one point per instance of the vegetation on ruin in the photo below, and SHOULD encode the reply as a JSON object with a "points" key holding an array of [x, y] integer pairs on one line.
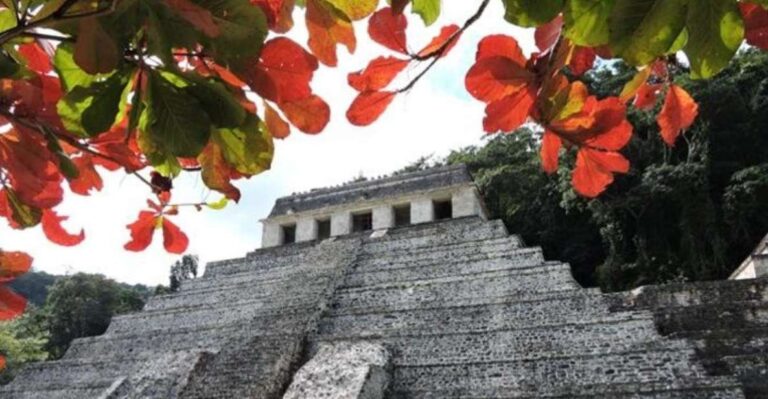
{"points": [[156, 88]]}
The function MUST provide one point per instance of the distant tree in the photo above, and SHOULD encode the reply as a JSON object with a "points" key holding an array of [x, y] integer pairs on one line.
{"points": [[184, 269], [22, 341], [82, 305], [34, 286]]}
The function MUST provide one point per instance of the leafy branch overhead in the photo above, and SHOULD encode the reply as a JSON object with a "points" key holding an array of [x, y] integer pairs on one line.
{"points": [[160, 87]]}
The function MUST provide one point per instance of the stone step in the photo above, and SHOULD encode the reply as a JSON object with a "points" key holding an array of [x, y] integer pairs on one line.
{"points": [[255, 278], [461, 248], [736, 315], [449, 291], [697, 293], [91, 389], [705, 388], [304, 286], [258, 259], [437, 233], [551, 373], [521, 261], [524, 343], [503, 313]]}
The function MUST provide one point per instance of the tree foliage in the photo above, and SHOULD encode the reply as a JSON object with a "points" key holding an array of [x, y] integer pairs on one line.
{"points": [[184, 269], [158, 87]]}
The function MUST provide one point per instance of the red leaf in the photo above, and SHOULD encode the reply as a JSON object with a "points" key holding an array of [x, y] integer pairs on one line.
{"points": [[445, 34], [594, 171], [278, 13], [678, 113], [11, 304], [755, 24], [494, 78], [368, 106], [550, 151], [88, 179], [645, 99], [278, 128], [2, 363], [13, 264], [546, 35], [199, 17], [283, 72], [500, 46], [56, 233], [216, 172], [582, 60], [508, 113], [95, 50], [388, 29], [399, 5], [327, 28], [174, 240], [141, 231], [310, 115], [37, 59], [378, 74], [32, 173]]}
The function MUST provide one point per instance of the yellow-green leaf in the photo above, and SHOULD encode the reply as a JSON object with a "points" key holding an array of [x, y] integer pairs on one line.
{"points": [[643, 30], [355, 9], [715, 32], [586, 21], [530, 13]]}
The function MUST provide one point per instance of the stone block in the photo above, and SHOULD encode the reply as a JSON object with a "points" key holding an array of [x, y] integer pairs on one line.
{"points": [[383, 217], [343, 370], [306, 230], [341, 223], [272, 235], [466, 202], [422, 211]]}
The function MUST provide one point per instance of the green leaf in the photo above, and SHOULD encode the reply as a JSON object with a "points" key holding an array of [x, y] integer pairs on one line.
{"points": [[104, 109], [218, 205], [243, 30], [8, 66], [715, 32], [7, 19], [643, 30], [586, 21], [69, 73], [428, 10], [177, 123], [355, 9], [221, 105], [248, 148], [530, 13]]}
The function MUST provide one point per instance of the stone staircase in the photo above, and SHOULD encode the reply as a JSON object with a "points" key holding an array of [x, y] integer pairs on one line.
{"points": [[462, 309], [467, 312], [727, 321]]}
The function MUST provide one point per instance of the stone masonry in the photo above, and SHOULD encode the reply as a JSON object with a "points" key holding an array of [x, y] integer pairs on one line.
{"points": [[453, 308]]}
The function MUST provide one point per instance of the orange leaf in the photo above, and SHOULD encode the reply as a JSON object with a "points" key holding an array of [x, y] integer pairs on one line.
{"points": [[630, 89], [550, 151], [278, 128], [310, 115], [508, 113], [328, 27], [378, 74], [755, 24], [368, 106], [388, 29], [216, 172], [37, 59], [678, 113], [56, 233], [646, 96], [199, 17], [11, 304], [494, 78], [546, 35], [95, 50], [283, 72], [594, 171], [2, 363], [141, 231], [500, 46], [174, 240], [446, 33], [13, 264], [88, 179]]}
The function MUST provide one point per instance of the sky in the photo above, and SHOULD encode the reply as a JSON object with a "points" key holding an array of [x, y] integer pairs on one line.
{"points": [[435, 117]]}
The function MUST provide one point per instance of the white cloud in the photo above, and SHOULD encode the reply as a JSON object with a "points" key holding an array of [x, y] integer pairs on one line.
{"points": [[433, 118]]}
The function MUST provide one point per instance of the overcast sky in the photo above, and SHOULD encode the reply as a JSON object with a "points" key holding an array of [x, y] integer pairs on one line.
{"points": [[434, 118]]}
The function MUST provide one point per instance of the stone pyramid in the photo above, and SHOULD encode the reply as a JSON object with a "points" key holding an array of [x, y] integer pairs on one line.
{"points": [[417, 308]]}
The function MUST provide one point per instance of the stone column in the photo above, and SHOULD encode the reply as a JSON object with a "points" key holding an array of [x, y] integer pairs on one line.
{"points": [[341, 223], [306, 230], [383, 217], [422, 211], [271, 235], [465, 202]]}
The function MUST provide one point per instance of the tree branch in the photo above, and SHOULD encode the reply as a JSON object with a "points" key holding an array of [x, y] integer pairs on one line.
{"points": [[438, 53]]}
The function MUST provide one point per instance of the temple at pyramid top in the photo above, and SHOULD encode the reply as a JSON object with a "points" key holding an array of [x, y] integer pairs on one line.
{"points": [[395, 201]]}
